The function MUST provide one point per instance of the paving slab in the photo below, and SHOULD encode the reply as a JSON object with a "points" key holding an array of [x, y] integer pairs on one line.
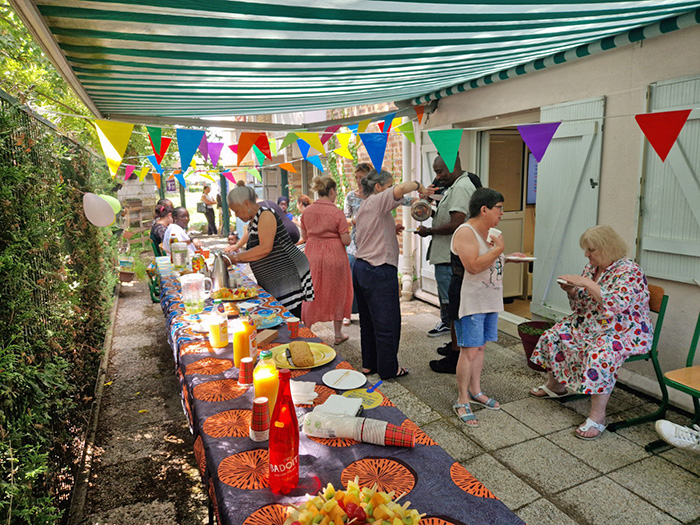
{"points": [[544, 416], [597, 501], [497, 429], [543, 512], [674, 490], [505, 485], [544, 466], [452, 440]]}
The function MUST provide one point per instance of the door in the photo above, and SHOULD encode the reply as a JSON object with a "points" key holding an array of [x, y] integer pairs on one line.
{"points": [[427, 270], [501, 168], [567, 199]]}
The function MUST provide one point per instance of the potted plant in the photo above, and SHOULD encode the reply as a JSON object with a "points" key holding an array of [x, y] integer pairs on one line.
{"points": [[530, 333]]}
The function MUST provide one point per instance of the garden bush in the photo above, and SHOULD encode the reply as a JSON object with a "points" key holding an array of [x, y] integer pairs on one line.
{"points": [[57, 279]]}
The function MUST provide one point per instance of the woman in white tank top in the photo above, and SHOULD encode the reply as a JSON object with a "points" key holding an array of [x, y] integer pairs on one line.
{"points": [[481, 297]]}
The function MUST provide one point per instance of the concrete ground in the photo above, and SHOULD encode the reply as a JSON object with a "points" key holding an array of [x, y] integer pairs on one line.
{"points": [[526, 453]]}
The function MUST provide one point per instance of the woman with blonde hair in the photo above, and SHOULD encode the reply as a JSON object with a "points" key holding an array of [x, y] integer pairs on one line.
{"points": [[584, 351], [325, 232]]}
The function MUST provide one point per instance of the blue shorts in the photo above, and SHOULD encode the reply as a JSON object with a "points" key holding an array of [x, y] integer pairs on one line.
{"points": [[474, 330]]}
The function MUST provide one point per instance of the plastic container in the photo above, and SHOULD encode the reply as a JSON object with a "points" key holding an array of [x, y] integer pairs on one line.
{"points": [[218, 326]]}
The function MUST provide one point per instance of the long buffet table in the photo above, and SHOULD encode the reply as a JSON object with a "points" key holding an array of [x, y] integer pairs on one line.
{"points": [[234, 468]]}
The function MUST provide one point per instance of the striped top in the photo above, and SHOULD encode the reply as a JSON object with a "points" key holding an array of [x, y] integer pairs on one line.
{"points": [[284, 272]]}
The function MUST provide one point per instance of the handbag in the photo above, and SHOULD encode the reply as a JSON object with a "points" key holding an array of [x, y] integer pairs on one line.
{"points": [[201, 207]]}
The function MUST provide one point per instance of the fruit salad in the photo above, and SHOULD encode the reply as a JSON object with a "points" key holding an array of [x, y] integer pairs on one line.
{"points": [[234, 294], [354, 506]]}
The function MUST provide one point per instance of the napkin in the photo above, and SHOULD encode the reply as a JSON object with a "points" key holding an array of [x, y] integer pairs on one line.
{"points": [[340, 406], [361, 429], [303, 392]]}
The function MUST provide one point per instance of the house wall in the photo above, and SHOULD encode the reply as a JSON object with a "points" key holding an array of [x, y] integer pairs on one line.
{"points": [[622, 76]]}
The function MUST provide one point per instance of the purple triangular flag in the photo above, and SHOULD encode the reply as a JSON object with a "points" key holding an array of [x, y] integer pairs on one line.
{"points": [[215, 152], [303, 147], [538, 136], [316, 162], [375, 144], [188, 141], [204, 147]]}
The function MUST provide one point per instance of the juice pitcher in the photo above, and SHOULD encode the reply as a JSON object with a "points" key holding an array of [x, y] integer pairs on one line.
{"points": [[194, 291]]}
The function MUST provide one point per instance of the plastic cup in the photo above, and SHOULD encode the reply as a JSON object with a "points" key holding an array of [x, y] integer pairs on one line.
{"points": [[260, 420], [293, 327], [245, 372]]}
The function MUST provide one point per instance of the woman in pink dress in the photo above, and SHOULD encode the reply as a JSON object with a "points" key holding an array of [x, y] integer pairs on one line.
{"points": [[324, 228]]}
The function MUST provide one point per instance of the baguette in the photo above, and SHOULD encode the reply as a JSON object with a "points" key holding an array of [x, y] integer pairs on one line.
{"points": [[301, 354]]}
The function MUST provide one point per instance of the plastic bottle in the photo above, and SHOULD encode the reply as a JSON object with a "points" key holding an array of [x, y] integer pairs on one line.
{"points": [[218, 326], [266, 379], [284, 441], [171, 241]]}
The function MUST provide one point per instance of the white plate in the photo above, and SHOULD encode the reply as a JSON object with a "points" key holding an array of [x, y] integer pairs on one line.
{"points": [[562, 281], [523, 259], [411, 230], [344, 379]]}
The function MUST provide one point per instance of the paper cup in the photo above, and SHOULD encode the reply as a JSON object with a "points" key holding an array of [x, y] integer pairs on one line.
{"points": [[260, 421], [293, 327], [245, 372], [493, 233]]}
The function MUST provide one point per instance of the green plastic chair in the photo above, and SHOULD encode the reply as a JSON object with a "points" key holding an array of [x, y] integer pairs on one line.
{"points": [[153, 288], [657, 303], [688, 379]]}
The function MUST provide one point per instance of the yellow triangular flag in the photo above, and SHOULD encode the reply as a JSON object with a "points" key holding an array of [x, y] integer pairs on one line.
{"points": [[144, 172], [208, 176], [114, 137], [396, 122], [344, 139], [362, 126], [313, 140], [273, 147]]}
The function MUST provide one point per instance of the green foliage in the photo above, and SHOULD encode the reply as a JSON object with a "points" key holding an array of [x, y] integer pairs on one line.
{"points": [[56, 281]]}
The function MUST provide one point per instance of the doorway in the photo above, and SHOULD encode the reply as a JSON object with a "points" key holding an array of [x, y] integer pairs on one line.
{"points": [[505, 166]]}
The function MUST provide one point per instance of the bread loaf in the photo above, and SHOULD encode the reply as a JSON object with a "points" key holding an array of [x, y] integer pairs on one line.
{"points": [[301, 354]]}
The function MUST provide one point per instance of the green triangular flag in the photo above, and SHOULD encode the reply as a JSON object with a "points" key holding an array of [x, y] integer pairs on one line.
{"points": [[406, 130], [259, 155], [255, 173], [289, 139], [447, 143], [155, 134]]}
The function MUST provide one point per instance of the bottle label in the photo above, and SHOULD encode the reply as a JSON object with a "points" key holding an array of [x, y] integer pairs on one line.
{"points": [[287, 464]]}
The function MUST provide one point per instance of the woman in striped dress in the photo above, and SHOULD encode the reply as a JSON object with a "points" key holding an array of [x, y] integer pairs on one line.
{"points": [[277, 264]]}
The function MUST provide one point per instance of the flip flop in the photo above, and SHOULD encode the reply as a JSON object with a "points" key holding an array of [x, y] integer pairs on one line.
{"points": [[341, 340], [490, 402], [465, 418], [550, 393], [588, 425]]}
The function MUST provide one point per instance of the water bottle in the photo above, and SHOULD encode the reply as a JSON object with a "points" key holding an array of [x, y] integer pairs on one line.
{"points": [[284, 441]]}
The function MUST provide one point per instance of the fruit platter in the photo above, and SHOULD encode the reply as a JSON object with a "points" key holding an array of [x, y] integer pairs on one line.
{"points": [[235, 294], [354, 506]]}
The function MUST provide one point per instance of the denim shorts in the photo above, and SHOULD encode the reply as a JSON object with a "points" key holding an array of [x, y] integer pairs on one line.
{"points": [[474, 330]]}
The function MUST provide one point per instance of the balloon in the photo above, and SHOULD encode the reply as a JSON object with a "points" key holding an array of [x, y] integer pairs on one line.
{"points": [[114, 203], [97, 210]]}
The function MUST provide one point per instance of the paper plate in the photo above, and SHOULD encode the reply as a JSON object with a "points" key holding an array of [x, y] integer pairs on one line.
{"points": [[562, 281], [343, 379], [519, 259], [269, 322], [322, 354]]}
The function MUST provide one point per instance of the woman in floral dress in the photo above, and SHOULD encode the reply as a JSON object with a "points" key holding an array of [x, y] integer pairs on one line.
{"points": [[584, 351]]}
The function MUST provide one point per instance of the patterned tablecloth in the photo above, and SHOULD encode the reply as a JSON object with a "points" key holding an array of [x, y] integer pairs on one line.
{"points": [[234, 468]]}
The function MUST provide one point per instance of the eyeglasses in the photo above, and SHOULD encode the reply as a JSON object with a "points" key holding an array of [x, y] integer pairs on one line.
{"points": [[500, 207]]}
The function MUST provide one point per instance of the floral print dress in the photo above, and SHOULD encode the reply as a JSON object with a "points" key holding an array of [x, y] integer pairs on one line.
{"points": [[584, 350]]}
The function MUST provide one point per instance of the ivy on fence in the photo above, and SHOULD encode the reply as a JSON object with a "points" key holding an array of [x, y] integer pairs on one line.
{"points": [[56, 285]]}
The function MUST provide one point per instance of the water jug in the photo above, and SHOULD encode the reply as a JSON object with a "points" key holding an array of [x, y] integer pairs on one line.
{"points": [[219, 272]]}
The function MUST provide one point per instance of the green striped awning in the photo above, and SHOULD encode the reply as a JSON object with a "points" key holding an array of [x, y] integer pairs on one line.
{"points": [[167, 58]]}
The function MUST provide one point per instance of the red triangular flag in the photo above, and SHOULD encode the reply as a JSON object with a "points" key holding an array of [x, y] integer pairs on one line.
{"points": [[330, 130], [419, 113], [245, 142], [164, 143], [263, 145], [662, 129], [381, 126]]}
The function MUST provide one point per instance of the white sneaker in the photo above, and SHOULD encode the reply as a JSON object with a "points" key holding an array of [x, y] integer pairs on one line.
{"points": [[679, 436]]}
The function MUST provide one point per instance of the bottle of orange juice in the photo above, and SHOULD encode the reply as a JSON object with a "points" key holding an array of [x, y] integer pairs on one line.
{"points": [[218, 326], [266, 379]]}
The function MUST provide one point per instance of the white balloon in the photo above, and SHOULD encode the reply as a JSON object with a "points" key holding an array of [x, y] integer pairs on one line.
{"points": [[97, 210]]}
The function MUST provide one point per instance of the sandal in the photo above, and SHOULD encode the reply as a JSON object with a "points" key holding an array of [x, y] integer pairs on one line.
{"points": [[465, 418], [549, 394], [402, 372], [490, 402], [588, 425]]}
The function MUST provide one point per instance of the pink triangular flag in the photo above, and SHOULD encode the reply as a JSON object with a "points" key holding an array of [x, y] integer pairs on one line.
{"points": [[234, 148], [330, 131], [229, 176], [662, 129], [129, 169], [538, 136]]}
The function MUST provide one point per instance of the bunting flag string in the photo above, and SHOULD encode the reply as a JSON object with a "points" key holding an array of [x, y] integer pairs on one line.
{"points": [[662, 129]]}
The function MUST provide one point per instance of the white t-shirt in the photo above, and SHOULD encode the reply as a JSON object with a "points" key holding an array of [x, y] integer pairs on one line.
{"points": [[181, 236]]}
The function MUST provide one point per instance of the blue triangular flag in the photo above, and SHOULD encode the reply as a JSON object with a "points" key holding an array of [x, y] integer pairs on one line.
{"points": [[188, 141], [154, 162], [353, 128], [316, 162], [375, 144], [303, 147], [180, 177], [387, 122]]}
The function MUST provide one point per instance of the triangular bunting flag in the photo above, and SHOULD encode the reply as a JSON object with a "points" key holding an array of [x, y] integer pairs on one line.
{"points": [[215, 152], [255, 173], [273, 147], [188, 141], [263, 144], [353, 128], [156, 177], [395, 123], [381, 126], [288, 166], [288, 139], [362, 125], [164, 144], [144, 172], [234, 148], [129, 169], [154, 135], [375, 144], [662, 129], [245, 142], [204, 148], [259, 155], [406, 130], [313, 140], [344, 139], [420, 110], [229, 176], [180, 177], [330, 130], [447, 143], [388, 121], [303, 147], [316, 161], [114, 137], [538, 136], [206, 175], [154, 162]]}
